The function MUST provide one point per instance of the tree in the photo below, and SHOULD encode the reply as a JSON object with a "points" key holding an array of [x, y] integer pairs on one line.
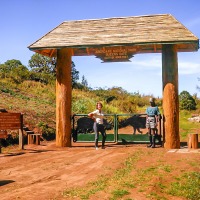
{"points": [[187, 102], [11, 64], [4, 72], [42, 64], [19, 74], [44, 69], [84, 82], [74, 75], [15, 70]]}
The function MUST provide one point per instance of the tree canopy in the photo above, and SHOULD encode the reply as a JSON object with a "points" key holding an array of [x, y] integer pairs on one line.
{"points": [[41, 69], [187, 102]]}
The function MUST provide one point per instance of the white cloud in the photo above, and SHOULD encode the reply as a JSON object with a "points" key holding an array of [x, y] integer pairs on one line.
{"points": [[147, 62], [155, 63], [189, 68]]}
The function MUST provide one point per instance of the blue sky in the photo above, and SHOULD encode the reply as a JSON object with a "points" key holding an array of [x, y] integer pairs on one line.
{"points": [[22, 22]]}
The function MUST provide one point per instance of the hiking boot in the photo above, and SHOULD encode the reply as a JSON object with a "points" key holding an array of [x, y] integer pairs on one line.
{"points": [[150, 140], [96, 144], [153, 141]]}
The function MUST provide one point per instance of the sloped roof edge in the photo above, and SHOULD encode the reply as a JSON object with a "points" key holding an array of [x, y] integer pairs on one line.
{"points": [[160, 28]]}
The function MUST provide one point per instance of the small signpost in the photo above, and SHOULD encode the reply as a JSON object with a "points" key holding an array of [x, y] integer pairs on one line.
{"points": [[12, 121]]}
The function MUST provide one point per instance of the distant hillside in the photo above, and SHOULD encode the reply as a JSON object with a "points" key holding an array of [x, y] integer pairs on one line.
{"points": [[37, 101]]}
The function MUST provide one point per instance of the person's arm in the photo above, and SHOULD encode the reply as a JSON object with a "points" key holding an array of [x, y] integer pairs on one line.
{"points": [[157, 120], [92, 116], [157, 115]]}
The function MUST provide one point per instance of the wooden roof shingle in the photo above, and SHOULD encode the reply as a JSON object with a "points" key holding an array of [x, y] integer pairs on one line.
{"points": [[146, 33]]}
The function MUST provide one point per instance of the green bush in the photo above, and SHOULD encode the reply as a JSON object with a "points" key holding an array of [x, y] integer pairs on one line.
{"points": [[13, 138], [187, 102], [48, 133]]}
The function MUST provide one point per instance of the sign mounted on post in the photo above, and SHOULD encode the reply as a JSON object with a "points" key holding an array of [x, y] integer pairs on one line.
{"points": [[10, 121], [3, 134]]}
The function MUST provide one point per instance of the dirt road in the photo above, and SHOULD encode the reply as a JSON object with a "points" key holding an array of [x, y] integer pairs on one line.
{"points": [[45, 171]]}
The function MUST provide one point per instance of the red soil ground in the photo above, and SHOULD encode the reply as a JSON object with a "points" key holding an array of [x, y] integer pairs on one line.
{"points": [[45, 171]]}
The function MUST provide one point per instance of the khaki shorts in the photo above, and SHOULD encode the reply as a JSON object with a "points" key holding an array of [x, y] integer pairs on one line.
{"points": [[151, 122]]}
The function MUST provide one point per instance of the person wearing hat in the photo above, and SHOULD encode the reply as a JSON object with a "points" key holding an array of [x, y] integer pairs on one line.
{"points": [[152, 121]]}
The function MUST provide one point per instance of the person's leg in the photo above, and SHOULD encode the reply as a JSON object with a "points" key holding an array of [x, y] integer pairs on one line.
{"points": [[153, 139], [103, 139], [96, 131], [103, 133], [150, 137], [149, 131], [158, 137], [153, 126]]}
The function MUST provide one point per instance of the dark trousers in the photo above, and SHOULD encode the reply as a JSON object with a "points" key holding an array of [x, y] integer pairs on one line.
{"points": [[99, 128]]}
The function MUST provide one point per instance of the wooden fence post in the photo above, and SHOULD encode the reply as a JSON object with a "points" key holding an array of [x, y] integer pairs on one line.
{"points": [[193, 141], [21, 137]]}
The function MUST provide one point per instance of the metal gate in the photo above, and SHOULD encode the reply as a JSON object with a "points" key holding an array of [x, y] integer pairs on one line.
{"points": [[120, 128]]}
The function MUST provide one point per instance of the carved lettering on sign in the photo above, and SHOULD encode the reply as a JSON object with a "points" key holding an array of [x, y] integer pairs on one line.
{"points": [[114, 55], [10, 121]]}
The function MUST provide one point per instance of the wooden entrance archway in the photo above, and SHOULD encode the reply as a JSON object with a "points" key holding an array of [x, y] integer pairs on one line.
{"points": [[118, 39]]}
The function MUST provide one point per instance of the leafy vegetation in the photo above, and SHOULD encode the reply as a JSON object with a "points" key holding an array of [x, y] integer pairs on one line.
{"points": [[187, 102], [31, 91]]}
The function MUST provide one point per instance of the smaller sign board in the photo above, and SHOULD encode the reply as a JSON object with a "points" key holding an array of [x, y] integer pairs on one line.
{"points": [[3, 134], [10, 121]]}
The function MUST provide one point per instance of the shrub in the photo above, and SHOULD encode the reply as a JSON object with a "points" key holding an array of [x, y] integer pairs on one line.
{"points": [[187, 102], [48, 133]]}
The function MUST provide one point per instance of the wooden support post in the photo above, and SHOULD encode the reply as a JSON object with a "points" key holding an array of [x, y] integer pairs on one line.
{"points": [[21, 139], [63, 98], [34, 139], [21, 136], [170, 97], [30, 139], [193, 141], [37, 139]]}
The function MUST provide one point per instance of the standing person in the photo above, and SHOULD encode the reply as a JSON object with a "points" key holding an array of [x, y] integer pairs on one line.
{"points": [[152, 121], [98, 126]]}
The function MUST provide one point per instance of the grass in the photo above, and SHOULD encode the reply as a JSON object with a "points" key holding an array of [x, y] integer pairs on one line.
{"points": [[92, 188], [187, 185], [120, 177], [119, 194], [186, 126], [38, 102], [155, 181]]}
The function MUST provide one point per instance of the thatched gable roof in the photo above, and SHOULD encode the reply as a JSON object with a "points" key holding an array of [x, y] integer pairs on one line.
{"points": [[143, 33]]}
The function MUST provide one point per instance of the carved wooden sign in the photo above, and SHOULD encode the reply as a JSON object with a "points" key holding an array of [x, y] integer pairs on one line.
{"points": [[10, 121], [3, 134], [114, 54]]}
